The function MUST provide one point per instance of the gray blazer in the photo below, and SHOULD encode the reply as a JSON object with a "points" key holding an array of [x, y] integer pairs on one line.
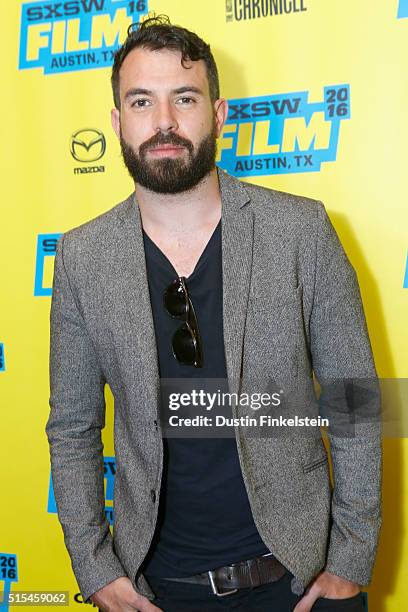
{"points": [[291, 307]]}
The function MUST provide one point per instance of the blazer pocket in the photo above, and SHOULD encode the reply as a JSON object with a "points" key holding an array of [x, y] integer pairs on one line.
{"points": [[309, 467]]}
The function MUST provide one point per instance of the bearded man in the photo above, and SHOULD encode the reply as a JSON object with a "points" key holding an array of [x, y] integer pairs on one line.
{"points": [[197, 277]]}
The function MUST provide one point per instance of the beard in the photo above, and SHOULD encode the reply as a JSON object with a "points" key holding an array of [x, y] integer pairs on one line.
{"points": [[169, 175]]}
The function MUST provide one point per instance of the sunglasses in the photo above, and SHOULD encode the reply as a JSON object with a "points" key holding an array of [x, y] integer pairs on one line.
{"points": [[186, 342]]}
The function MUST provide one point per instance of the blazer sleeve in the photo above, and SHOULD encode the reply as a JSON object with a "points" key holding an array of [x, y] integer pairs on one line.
{"points": [[344, 366], [74, 426]]}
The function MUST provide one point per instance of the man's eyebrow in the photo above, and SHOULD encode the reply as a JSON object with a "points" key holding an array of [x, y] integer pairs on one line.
{"points": [[187, 88], [137, 91]]}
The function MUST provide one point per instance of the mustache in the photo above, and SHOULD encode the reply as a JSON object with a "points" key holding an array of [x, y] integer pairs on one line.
{"points": [[162, 139]]}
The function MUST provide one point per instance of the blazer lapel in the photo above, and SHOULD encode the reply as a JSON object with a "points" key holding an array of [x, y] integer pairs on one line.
{"points": [[133, 298], [237, 241]]}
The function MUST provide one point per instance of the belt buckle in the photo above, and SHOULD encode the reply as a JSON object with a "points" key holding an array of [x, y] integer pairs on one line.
{"points": [[214, 586]]}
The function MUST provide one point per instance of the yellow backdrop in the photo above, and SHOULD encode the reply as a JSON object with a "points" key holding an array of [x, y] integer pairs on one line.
{"points": [[318, 95]]}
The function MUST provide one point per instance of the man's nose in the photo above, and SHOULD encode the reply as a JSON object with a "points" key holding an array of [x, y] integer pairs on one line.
{"points": [[165, 117]]}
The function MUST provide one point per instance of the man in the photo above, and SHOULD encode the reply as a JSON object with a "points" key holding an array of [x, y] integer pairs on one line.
{"points": [[154, 289]]}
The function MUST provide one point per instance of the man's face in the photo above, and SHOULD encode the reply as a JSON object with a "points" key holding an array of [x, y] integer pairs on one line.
{"points": [[167, 124]]}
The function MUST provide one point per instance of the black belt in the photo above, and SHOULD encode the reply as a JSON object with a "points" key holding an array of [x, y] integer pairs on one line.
{"points": [[250, 573]]}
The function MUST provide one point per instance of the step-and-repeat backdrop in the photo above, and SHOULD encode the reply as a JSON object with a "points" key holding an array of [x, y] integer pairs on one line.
{"points": [[318, 95]]}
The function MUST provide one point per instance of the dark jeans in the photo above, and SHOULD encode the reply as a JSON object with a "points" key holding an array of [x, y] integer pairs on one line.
{"points": [[272, 597]]}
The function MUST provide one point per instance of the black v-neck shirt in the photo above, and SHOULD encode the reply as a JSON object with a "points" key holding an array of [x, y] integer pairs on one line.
{"points": [[204, 518]]}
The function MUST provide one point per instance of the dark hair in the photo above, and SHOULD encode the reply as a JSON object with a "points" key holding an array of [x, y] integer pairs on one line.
{"points": [[158, 33]]}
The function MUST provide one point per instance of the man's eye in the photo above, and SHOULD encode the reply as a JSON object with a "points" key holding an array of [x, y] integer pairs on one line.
{"points": [[140, 103], [186, 100]]}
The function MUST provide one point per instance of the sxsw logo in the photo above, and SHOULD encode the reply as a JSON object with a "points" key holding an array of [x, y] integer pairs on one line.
{"points": [[402, 9], [75, 35], [2, 359], [44, 265], [109, 469], [282, 133]]}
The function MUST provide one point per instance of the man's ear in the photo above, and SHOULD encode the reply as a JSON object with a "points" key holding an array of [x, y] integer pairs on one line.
{"points": [[221, 113], [115, 119]]}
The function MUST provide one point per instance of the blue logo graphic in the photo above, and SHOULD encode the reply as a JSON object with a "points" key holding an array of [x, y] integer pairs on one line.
{"points": [[282, 133], [2, 358], [402, 9], [75, 35], [8, 574], [109, 469], [405, 285], [46, 247]]}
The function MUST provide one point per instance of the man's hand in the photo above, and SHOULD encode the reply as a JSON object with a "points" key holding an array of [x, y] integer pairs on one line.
{"points": [[120, 596], [326, 585]]}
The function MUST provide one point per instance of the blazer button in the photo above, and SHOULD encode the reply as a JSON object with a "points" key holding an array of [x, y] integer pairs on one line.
{"points": [[153, 495], [155, 424]]}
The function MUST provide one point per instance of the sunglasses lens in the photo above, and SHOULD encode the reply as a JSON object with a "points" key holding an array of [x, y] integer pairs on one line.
{"points": [[186, 341], [183, 345], [175, 299]]}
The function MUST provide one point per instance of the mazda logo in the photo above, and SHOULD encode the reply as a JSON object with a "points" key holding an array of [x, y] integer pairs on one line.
{"points": [[87, 145]]}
